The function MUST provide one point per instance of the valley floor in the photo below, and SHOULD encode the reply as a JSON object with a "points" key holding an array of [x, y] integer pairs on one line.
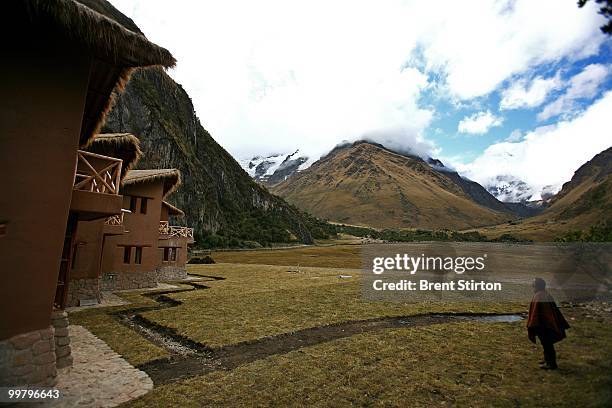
{"points": [[290, 328]]}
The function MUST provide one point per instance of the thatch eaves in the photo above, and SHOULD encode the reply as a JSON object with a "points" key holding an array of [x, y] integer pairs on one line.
{"points": [[114, 42], [172, 210], [170, 177], [101, 28], [124, 146]]}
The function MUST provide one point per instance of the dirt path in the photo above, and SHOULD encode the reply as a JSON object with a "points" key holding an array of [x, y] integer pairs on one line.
{"points": [[189, 358]]}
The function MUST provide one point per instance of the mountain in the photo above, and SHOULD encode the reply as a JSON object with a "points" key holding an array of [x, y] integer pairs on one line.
{"points": [[508, 188], [274, 168], [583, 202], [366, 184], [220, 200], [260, 167], [527, 209], [587, 197]]}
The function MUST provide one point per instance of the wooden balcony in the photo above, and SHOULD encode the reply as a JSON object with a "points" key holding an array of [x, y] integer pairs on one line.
{"points": [[113, 225], [115, 220], [97, 173], [95, 193], [168, 231]]}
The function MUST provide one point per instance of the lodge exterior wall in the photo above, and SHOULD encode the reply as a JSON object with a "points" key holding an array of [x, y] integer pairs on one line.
{"points": [[141, 231], [43, 97]]}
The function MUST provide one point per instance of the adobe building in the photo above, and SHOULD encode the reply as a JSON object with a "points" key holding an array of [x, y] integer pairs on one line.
{"points": [[173, 242], [84, 274], [150, 250], [63, 61]]}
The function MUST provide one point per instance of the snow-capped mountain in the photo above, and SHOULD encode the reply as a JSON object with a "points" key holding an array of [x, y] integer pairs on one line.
{"points": [[275, 167], [511, 189]]}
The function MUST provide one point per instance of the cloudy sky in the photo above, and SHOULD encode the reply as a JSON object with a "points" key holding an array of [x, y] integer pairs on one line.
{"points": [[522, 88]]}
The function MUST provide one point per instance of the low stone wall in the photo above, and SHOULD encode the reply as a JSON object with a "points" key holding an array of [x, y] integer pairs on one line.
{"points": [[128, 280], [63, 356], [80, 289], [171, 273], [29, 359]]}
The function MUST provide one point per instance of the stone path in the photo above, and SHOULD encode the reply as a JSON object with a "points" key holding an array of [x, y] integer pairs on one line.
{"points": [[99, 377]]}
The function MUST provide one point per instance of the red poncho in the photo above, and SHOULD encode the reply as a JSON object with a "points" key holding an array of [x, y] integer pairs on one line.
{"points": [[545, 318]]}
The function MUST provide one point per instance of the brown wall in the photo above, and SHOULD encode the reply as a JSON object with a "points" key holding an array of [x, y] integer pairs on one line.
{"points": [[43, 93], [181, 244], [164, 214], [141, 230]]}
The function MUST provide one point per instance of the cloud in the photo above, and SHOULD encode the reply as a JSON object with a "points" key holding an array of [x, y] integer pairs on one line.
{"points": [[522, 94], [549, 155], [403, 140], [479, 123], [476, 45], [584, 85], [275, 76]]}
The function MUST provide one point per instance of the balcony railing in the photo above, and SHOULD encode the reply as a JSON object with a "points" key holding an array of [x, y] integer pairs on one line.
{"points": [[174, 231], [115, 220], [97, 173]]}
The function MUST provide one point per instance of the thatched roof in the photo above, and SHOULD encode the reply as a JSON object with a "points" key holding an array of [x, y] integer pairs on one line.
{"points": [[124, 146], [101, 28], [172, 210], [114, 41], [171, 178]]}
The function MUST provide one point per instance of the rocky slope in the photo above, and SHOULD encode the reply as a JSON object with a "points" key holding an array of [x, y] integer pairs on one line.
{"points": [[367, 184], [218, 197]]}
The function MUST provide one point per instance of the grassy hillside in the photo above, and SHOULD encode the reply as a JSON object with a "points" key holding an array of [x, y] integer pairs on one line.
{"points": [[365, 184]]}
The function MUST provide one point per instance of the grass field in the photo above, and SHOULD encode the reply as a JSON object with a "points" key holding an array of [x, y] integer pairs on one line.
{"points": [[455, 364], [271, 292]]}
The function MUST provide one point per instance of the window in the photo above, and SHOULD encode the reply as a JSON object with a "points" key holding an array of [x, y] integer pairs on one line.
{"points": [[133, 204], [127, 254], [143, 205], [138, 255], [170, 254]]}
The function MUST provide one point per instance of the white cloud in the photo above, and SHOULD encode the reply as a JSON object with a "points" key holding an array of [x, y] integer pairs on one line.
{"points": [[522, 94], [550, 154], [582, 85], [275, 76], [479, 123], [476, 45]]}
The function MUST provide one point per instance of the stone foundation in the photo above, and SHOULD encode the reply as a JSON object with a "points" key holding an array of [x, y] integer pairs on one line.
{"points": [[63, 356], [83, 289], [29, 359], [171, 273], [128, 280]]}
